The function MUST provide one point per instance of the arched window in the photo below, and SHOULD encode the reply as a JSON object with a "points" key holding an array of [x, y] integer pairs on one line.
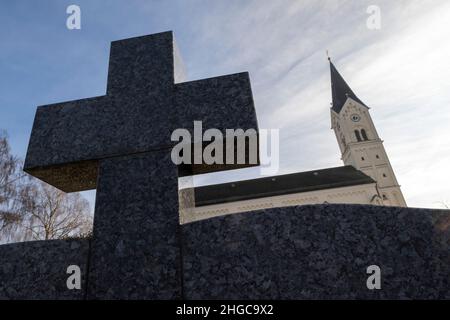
{"points": [[364, 134], [358, 136]]}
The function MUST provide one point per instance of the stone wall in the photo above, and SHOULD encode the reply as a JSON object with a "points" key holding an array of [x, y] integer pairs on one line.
{"points": [[303, 252]]}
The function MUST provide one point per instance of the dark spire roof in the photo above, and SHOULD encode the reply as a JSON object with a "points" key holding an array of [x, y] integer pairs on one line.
{"points": [[340, 90]]}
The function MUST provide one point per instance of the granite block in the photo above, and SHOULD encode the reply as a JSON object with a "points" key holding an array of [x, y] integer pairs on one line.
{"points": [[37, 269], [318, 252], [135, 248]]}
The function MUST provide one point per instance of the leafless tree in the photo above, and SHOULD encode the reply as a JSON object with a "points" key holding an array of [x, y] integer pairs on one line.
{"points": [[33, 210], [48, 213], [9, 178]]}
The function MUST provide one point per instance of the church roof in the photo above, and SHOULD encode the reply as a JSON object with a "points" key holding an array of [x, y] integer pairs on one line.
{"points": [[280, 185], [340, 90]]}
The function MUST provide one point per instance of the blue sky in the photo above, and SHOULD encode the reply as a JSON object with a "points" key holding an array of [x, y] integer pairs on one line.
{"points": [[401, 71]]}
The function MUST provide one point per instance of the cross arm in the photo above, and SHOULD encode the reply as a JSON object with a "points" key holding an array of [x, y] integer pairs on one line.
{"points": [[224, 102], [60, 148]]}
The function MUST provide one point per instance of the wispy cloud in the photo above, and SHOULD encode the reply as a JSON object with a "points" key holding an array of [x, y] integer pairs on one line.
{"points": [[401, 71]]}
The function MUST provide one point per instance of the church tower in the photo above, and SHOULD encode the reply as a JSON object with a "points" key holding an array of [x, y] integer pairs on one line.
{"points": [[360, 145]]}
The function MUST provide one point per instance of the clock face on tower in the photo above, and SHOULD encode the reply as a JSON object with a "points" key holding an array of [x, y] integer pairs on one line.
{"points": [[355, 117]]}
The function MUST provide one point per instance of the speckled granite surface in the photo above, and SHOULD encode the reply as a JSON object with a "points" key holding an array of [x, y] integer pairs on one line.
{"points": [[142, 107], [309, 252], [135, 248], [37, 269], [318, 252]]}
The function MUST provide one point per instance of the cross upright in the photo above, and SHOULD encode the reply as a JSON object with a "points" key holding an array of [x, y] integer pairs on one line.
{"points": [[120, 145]]}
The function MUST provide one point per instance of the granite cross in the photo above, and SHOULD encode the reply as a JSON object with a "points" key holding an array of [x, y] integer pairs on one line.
{"points": [[120, 145]]}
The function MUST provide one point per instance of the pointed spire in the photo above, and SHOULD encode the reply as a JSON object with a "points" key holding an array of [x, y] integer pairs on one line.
{"points": [[340, 90]]}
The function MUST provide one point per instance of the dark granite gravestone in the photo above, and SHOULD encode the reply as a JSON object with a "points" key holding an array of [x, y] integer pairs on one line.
{"points": [[298, 252], [141, 109], [120, 144]]}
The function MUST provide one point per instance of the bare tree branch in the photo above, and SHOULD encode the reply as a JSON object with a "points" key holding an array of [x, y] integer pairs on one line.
{"points": [[33, 210]]}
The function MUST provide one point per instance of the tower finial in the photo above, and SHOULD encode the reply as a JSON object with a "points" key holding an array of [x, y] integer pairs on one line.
{"points": [[328, 56], [340, 90]]}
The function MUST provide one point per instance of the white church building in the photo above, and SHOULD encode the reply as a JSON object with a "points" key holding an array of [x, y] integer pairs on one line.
{"points": [[367, 176]]}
